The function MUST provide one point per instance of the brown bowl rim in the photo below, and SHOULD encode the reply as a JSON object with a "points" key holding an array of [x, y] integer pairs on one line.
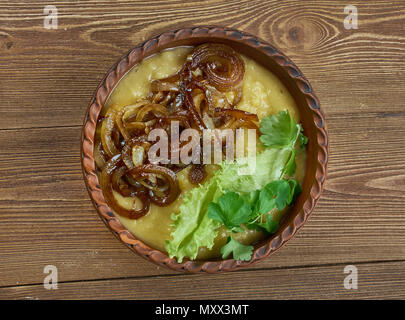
{"points": [[108, 83]]}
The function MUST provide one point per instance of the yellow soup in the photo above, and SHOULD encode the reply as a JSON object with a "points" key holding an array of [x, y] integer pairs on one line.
{"points": [[263, 94]]}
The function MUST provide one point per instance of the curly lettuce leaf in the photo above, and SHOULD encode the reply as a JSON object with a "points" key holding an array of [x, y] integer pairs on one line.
{"points": [[269, 166], [195, 228], [192, 227]]}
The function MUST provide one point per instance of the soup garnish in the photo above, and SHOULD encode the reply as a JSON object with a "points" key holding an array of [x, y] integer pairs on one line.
{"points": [[222, 200], [194, 97]]}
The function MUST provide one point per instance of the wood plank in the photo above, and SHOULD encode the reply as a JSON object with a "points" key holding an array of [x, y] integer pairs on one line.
{"points": [[46, 216], [375, 281], [48, 76]]}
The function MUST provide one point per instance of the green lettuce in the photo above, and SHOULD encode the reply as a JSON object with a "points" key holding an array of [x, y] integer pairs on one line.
{"points": [[269, 167], [193, 228]]}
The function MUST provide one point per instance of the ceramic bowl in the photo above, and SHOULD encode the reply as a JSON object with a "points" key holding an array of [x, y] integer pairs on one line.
{"points": [[312, 119]]}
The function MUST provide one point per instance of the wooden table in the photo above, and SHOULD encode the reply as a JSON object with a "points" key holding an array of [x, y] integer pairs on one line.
{"points": [[48, 76]]}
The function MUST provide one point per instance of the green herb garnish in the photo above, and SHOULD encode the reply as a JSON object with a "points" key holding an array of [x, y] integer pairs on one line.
{"points": [[253, 211], [234, 200], [231, 210], [237, 249], [281, 131]]}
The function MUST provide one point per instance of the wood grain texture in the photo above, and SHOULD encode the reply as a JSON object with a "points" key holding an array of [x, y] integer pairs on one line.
{"points": [[58, 70], [46, 209], [48, 76], [321, 282]]}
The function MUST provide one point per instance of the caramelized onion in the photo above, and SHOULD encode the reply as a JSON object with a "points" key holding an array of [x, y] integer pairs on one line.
{"points": [[113, 170], [222, 66], [174, 77], [183, 120], [107, 128], [197, 122], [127, 149], [242, 123], [202, 94], [238, 114], [237, 95], [199, 102], [137, 125], [161, 85], [216, 99], [166, 174], [99, 157], [127, 114], [156, 109]]}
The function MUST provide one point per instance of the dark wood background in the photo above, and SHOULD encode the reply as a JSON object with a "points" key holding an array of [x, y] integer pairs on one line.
{"points": [[47, 78]]}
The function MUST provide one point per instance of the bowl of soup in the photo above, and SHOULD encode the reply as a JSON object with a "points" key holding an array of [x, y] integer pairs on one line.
{"points": [[204, 149]]}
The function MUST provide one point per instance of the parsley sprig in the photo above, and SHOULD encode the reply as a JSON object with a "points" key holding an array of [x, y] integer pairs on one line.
{"points": [[231, 210], [253, 211], [213, 204], [239, 250], [281, 131]]}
